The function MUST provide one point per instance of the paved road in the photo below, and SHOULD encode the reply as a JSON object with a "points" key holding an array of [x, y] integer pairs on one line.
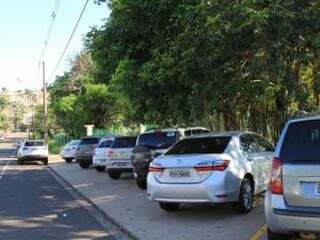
{"points": [[126, 204], [33, 205]]}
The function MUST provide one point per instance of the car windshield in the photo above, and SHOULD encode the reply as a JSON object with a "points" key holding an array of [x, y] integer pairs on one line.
{"points": [[208, 145], [124, 142], [89, 141], [105, 144], [34, 143], [302, 142], [73, 143], [158, 140]]}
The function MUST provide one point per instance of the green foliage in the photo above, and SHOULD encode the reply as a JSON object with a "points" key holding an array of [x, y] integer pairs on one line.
{"points": [[193, 62]]}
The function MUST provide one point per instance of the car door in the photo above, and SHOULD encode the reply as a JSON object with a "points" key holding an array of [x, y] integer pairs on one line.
{"points": [[251, 154], [266, 151]]}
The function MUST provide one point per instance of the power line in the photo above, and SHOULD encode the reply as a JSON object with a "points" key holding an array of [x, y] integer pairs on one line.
{"points": [[50, 27], [69, 40]]}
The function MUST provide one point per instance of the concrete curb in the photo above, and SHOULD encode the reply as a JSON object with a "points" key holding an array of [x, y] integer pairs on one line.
{"points": [[116, 223]]}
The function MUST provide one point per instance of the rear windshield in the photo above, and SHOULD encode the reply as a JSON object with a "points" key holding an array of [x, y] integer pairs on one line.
{"points": [[206, 145], [34, 144], [124, 142], [302, 142], [158, 140], [73, 143], [105, 144], [89, 141]]}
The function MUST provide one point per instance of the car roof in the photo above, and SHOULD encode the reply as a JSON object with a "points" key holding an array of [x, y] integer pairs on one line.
{"points": [[174, 129], [222, 134], [305, 118]]}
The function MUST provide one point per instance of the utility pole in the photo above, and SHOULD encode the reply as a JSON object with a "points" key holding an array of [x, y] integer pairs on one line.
{"points": [[45, 104]]}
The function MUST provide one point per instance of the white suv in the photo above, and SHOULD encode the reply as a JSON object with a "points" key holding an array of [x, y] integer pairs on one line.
{"points": [[33, 151], [292, 203]]}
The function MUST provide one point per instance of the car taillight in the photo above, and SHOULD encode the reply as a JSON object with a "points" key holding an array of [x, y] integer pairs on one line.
{"points": [[276, 183], [220, 165], [156, 169]]}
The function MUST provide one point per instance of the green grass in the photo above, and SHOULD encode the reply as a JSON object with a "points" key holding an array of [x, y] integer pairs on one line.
{"points": [[54, 147]]}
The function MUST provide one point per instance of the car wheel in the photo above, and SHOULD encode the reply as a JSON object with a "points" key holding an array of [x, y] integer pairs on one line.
{"points": [[84, 165], [169, 207], [114, 174], [142, 183], [45, 161], [245, 203], [100, 168], [68, 160], [277, 236], [21, 162]]}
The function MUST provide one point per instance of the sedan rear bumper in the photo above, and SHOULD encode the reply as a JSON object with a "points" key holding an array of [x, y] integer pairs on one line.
{"points": [[210, 190]]}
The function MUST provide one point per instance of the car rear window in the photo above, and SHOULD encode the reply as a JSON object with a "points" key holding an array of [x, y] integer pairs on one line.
{"points": [[124, 142], [302, 142], [89, 141], [158, 140], [208, 145], [105, 144], [34, 144]]}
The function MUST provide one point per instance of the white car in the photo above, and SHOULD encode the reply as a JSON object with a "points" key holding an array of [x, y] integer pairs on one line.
{"points": [[119, 156], [292, 201], [213, 168], [100, 154], [68, 152], [33, 150]]}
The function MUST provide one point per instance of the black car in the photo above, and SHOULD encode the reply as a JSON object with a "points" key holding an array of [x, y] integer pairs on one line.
{"points": [[154, 143], [85, 151]]}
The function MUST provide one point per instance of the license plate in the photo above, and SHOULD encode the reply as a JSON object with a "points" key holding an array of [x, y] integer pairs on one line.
{"points": [[121, 164], [180, 173], [317, 189]]}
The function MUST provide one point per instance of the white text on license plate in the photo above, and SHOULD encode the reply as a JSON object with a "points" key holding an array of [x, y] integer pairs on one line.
{"points": [[180, 173]]}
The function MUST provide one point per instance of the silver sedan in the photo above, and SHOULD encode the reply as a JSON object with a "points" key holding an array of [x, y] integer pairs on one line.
{"points": [[215, 168]]}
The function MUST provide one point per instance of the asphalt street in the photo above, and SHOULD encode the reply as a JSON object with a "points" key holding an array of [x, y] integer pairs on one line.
{"points": [[33, 205]]}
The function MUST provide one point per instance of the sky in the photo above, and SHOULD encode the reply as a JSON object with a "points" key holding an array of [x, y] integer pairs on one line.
{"points": [[23, 27]]}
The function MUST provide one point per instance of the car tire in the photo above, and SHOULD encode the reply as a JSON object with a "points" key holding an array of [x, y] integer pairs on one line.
{"points": [[277, 236], [114, 174], [21, 162], [245, 203], [45, 161], [100, 168], [68, 160], [169, 207], [142, 183], [84, 165]]}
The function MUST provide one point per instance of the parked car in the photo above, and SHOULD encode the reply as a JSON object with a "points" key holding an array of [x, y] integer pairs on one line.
{"points": [[85, 151], [292, 201], [214, 168], [119, 156], [152, 144], [100, 154], [68, 152], [33, 150], [18, 146]]}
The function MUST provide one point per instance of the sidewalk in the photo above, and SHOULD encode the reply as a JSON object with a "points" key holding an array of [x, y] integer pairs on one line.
{"points": [[129, 207]]}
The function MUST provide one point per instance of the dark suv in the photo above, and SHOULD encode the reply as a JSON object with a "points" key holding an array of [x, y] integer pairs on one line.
{"points": [[152, 144], [85, 151]]}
